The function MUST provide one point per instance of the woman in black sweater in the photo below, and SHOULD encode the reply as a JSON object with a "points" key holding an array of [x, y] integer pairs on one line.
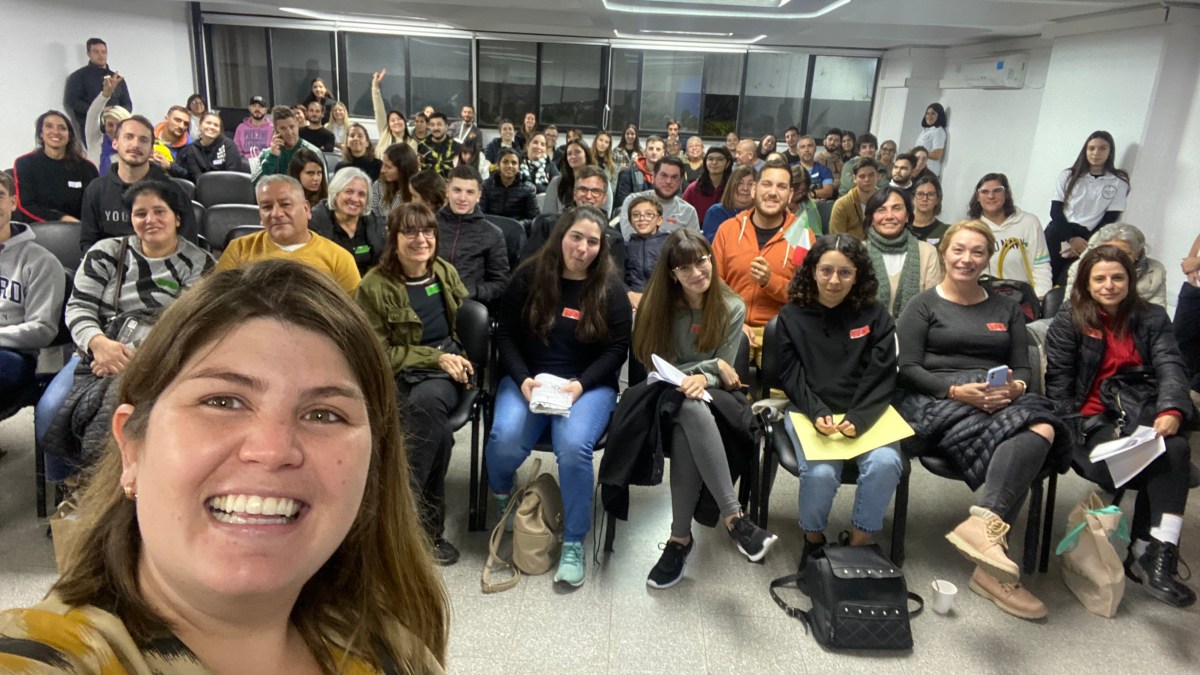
{"points": [[838, 349], [359, 152], [1108, 331], [212, 151], [565, 314], [51, 179], [999, 437]]}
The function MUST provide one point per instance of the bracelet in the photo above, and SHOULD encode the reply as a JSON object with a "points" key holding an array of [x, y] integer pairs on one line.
{"points": [[950, 395]]}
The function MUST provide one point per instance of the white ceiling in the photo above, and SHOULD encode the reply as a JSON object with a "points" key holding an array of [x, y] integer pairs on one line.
{"points": [[851, 24]]}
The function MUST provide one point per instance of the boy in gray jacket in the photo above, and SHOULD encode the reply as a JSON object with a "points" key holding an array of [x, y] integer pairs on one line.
{"points": [[32, 283]]}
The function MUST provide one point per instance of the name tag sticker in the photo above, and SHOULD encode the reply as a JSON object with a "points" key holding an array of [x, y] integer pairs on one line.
{"points": [[856, 333], [365, 248], [1093, 333], [997, 328], [695, 329], [571, 313], [75, 184], [433, 289]]}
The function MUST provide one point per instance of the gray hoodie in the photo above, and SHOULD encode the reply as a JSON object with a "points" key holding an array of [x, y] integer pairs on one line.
{"points": [[32, 285]]}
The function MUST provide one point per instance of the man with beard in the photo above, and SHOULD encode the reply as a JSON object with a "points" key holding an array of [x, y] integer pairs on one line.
{"points": [[438, 150], [792, 138], [253, 135], [640, 176], [314, 131], [820, 179], [751, 254], [466, 126], [902, 170], [668, 178], [104, 213], [832, 157]]}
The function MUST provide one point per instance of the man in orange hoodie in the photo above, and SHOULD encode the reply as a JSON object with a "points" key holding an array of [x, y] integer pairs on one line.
{"points": [[753, 257]]}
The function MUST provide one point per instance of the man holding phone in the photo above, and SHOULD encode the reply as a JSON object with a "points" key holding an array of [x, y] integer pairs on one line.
{"points": [[284, 144]]}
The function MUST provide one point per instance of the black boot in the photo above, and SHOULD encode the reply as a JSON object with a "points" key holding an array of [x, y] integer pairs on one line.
{"points": [[811, 548], [1157, 569]]}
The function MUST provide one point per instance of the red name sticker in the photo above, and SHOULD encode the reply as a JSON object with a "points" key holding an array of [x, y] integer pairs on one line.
{"points": [[695, 329], [1093, 333], [571, 313], [997, 327], [856, 333]]}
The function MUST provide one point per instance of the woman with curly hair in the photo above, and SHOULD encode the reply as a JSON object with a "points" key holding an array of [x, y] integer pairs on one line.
{"points": [[842, 383]]}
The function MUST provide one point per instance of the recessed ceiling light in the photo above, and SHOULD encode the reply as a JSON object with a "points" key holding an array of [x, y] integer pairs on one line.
{"points": [[685, 37], [744, 9], [684, 32]]}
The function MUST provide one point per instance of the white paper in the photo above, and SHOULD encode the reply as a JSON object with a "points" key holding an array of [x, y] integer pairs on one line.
{"points": [[1126, 457], [665, 372], [550, 399]]}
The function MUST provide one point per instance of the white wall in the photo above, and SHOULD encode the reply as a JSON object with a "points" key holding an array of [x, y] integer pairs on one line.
{"points": [[148, 42]]}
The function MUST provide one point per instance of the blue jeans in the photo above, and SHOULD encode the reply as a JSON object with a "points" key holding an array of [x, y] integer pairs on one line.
{"points": [[878, 474], [515, 431], [16, 374], [57, 468]]}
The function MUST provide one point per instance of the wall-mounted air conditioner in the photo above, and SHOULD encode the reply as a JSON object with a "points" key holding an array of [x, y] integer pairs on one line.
{"points": [[997, 72]]}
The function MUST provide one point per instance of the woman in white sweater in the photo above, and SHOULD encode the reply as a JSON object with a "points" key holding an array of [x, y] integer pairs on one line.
{"points": [[1023, 254]]}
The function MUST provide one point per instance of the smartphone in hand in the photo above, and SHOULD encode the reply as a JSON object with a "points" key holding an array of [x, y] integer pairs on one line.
{"points": [[998, 376]]}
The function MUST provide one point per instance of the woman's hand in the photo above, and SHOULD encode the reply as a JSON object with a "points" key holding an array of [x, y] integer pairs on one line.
{"points": [[528, 386], [1078, 245], [1190, 264], [1166, 425], [847, 428], [981, 396], [109, 357], [825, 425], [634, 298], [729, 377], [574, 389], [693, 386], [457, 367], [376, 78], [748, 330]]}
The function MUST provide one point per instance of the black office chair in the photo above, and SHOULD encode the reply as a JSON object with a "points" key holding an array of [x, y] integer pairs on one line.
{"points": [[1052, 301], [224, 187], [825, 210], [241, 231], [220, 220], [332, 159], [61, 239], [514, 236], [189, 188], [778, 449]]}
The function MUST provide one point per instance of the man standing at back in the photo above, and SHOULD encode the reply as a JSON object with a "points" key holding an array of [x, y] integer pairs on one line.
{"points": [[640, 176], [284, 214], [438, 150], [468, 241], [751, 254], [85, 84], [284, 143], [253, 135], [668, 178], [466, 126], [104, 214]]}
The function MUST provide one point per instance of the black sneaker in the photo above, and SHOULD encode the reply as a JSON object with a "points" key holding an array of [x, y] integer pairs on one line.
{"points": [[444, 553], [1158, 570], [752, 540], [811, 549], [668, 571]]}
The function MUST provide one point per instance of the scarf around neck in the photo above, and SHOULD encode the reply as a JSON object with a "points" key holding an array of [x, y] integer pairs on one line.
{"points": [[909, 283]]}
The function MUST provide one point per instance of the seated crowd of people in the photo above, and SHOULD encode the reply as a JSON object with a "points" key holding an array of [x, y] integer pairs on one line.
{"points": [[640, 249]]}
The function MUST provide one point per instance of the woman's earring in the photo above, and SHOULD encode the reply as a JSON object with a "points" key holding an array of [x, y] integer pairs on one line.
{"points": [[130, 494]]}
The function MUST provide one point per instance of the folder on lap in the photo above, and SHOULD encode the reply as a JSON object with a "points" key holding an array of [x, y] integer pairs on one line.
{"points": [[818, 447]]}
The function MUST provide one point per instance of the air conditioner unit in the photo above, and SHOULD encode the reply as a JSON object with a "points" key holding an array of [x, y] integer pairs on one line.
{"points": [[997, 72]]}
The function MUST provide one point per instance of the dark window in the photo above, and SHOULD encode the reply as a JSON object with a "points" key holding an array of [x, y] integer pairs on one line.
{"points": [[441, 73], [297, 57], [570, 85], [507, 81], [239, 60], [626, 67], [774, 93], [366, 55], [841, 93]]}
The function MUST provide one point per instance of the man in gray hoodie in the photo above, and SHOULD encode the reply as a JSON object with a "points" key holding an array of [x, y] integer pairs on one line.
{"points": [[32, 283]]}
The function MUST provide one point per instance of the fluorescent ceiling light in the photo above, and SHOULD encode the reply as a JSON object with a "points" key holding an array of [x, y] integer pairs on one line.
{"points": [[751, 11], [696, 42], [361, 19], [683, 32]]}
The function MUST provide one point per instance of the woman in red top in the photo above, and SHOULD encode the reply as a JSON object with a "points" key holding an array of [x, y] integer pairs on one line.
{"points": [[1109, 330]]}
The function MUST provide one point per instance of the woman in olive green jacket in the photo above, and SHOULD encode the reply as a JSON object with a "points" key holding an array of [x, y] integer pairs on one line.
{"points": [[411, 301]]}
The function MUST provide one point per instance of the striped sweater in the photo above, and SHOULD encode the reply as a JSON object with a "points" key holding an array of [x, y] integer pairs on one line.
{"points": [[150, 283]]}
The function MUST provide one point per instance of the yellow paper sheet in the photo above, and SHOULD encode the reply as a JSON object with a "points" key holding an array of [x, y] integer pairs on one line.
{"points": [[818, 447]]}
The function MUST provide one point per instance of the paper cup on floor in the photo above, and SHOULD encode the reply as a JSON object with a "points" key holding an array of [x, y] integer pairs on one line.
{"points": [[944, 593]]}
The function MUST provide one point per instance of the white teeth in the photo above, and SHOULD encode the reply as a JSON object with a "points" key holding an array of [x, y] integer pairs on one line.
{"points": [[239, 504], [254, 505]]}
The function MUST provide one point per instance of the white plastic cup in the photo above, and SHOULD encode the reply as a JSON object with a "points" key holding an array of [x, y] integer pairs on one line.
{"points": [[944, 593]]}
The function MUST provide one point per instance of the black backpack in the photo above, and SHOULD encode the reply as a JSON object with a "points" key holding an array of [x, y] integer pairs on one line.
{"points": [[859, 599], [1021, 291]]}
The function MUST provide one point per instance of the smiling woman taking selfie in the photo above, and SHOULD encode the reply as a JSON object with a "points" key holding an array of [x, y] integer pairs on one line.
{"points": [[252, 513]]}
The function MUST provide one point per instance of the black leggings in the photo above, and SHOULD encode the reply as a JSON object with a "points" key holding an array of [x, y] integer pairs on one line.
{"points": [[1015, 464], [424, 412], [1162, 486]]}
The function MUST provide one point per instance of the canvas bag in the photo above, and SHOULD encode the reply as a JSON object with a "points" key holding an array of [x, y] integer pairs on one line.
{"points": [[859, 599], [1091, 566], [537, 533], [64, 528]]}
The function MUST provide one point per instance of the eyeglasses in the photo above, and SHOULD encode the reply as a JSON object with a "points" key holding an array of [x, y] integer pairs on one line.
{"points": [[643, 215], [844, 273], [994, 192], [928, 195], [426, 232], [592, 192], [698, 265]]}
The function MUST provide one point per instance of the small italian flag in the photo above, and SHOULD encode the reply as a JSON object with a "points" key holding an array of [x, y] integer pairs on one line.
{"points": [[800, 235]]}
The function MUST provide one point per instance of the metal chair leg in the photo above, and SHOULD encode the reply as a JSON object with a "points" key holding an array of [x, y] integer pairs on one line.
{"points": [[610, 533], [900, 517], [1033, 527], [1048, 524], [39, 474]]}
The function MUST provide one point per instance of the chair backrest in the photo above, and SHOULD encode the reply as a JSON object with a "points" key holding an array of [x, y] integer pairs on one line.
{"points": [[61, 239], [220, 220], [769, 369], [514, 236], [474, 330], [1053, 300], [332, 159], [225, 187], [189, 188], [240, 231], [198, 213], [825, 210]]}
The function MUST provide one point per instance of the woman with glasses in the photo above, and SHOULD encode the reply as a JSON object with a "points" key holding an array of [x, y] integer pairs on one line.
{"points": [[692, 320], [842, 383], [1022, 253], [927, 205], [411, 301], [706, 190], [904, 265], [737, 196]]}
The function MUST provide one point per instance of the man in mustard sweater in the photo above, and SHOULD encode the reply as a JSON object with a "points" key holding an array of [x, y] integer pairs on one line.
{"points": [[284, 214], [848, 212]]}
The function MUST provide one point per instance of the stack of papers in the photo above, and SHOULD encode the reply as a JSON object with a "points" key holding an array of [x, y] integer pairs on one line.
{"points": [[818, 447], [1126, 457], [550, 399], [665, 372]]}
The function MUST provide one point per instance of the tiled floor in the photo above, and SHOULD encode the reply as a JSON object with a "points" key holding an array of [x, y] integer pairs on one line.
{"points": [[720, 618]]}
